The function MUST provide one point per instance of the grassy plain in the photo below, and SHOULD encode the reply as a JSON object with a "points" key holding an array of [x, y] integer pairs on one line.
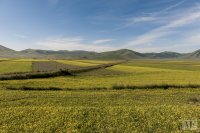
{"points": [[131, 73], [15, 66], [83, 109], [84, 62]]}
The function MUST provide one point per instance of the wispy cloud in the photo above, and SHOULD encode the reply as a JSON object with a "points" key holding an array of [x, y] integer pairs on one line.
{"points": [[148, 49], [101, 41], [140, 19], [146, 42], [20, 36], [149, 37], [71, 44], [194, 39], [174, 5], [190, 40], [186, 18], [131, 21], [144, 18]]}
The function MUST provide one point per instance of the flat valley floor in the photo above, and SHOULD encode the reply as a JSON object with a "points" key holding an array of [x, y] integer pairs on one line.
{"points": [[128, 97]]}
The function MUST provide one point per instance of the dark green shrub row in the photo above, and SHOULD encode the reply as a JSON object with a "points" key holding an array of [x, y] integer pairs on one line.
{"points": [[115, 87], [35, 75], [154, 86], [25, 88]]}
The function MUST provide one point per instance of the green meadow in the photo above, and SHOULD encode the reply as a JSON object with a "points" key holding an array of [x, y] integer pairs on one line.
{"points": [[88, 102]]}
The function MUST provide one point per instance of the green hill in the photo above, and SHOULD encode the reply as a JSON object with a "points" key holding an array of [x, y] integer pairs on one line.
{"points": [[193, 55], [124, 54], [8, 53], [166, 54]]}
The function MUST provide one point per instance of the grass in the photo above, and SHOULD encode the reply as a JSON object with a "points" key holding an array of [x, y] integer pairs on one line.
{"points": [[133, 77], [100, 111], [95, 61], [194, 100], [168, 64], [50, 66], [53, 69], [128, 97], [76, 62], [15, 66]]}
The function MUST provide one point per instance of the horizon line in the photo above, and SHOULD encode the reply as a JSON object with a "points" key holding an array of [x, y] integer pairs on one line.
{"points": [[98, 52]]}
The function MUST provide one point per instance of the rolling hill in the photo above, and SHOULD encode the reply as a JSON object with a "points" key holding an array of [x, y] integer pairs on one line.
{"points": [[193, 55], [121, 54], [166, 54], [8, 53], [124, 54]]}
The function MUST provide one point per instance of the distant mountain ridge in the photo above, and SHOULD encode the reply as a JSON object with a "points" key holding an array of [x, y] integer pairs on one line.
{"points": [[193, 55], [109, 55]]}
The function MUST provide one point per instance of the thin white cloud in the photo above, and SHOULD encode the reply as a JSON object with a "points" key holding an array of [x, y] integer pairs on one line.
{"points": [[169, 22], [148, 38], [174, 6], [190, 39], [101, 41], [193, 39], [148, 49], [71, 44], [188, 43], [180, 19], [20, 36], [129, 22], [186, 18], [140, 19], [156, 17]]}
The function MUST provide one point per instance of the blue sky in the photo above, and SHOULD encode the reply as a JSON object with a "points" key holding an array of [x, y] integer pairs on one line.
{"points": [[101, 25]]}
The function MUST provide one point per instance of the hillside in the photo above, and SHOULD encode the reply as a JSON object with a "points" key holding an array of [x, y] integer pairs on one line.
{"points": [[166, 54], [121, 54], [61, 54], [124, 54], [8, 53], [193, 55]]}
